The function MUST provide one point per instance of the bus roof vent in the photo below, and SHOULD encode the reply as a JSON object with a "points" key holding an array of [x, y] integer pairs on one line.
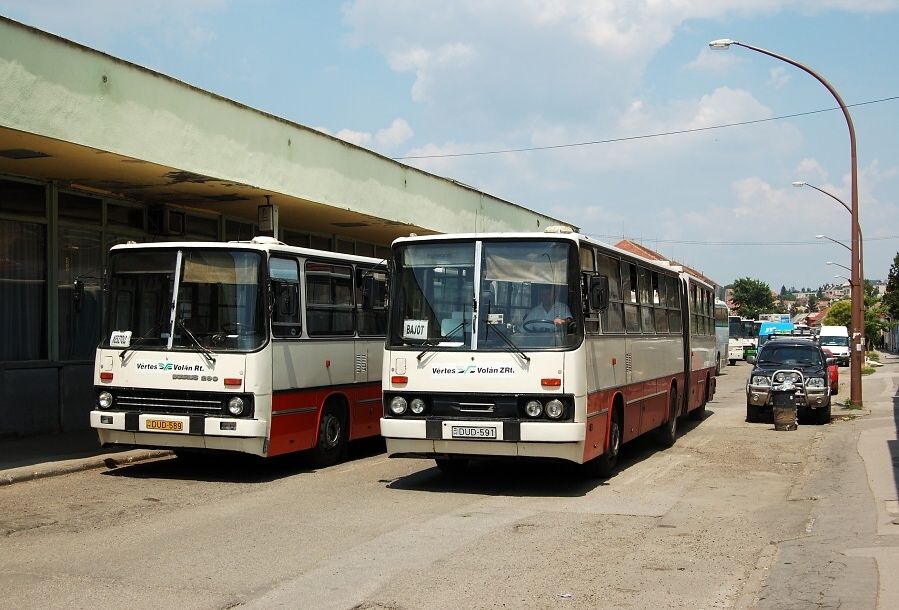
{"points": [[265, 239], [558, 229]]}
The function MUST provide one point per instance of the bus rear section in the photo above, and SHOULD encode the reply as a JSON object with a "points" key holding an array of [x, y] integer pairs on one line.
{"points": [[252, 347], [533, 345]]}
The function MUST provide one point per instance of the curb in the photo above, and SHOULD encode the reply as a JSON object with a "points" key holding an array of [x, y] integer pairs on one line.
{"points": [[52, 469]]}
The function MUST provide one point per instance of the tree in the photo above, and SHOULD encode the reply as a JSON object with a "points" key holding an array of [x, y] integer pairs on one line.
{"points": [[891, 297], [752, 297], [840, 314]]}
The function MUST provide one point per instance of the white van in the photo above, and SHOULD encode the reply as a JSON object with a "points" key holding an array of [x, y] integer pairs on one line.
{"points": [[835, 339]]}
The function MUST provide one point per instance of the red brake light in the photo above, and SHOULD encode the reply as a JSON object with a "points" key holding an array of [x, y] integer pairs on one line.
{"points": [[105, 376], [399, 379], [551, 382], [233, 381]]}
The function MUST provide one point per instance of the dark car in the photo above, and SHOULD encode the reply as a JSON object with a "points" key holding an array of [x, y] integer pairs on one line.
{"points": [[795, 359]]}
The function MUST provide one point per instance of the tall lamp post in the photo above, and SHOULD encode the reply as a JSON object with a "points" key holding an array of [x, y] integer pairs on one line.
{"points": [[855, 363]]}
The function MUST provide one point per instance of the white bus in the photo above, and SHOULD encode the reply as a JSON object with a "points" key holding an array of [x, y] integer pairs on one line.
{"points": [[722, 335], [254, 347], [477, 365]]}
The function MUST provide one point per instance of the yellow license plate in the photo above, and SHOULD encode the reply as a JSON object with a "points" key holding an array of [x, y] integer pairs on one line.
{"points": [[165, 425]]}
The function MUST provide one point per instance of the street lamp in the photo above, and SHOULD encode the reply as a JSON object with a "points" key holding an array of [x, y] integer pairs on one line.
{"points": [[858, 320], [861, 241], [836, 241], [838, 265]]}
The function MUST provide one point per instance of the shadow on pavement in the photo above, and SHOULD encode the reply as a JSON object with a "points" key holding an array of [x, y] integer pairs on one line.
{"points": [[225, 467], [531, 477]]}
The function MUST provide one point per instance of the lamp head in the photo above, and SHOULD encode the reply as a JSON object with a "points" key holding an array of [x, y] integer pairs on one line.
{"points": [[819, 237], [721, 43], [799, 183]]}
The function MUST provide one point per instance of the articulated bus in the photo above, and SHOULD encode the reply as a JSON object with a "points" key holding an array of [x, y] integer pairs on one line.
{"points": [[253, 347], [549, 345]]}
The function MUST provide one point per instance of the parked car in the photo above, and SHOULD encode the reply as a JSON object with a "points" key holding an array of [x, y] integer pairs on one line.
{"points": [[833, 371], [800, 360]]}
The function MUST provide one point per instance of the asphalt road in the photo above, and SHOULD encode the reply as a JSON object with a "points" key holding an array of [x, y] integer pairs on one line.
{"points": [[734, 515]]}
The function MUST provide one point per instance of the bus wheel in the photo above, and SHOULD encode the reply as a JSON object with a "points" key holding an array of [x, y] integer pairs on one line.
{"points": [[667, 432], [732, 362], [604, 465], [452, 466], [331, 437]]}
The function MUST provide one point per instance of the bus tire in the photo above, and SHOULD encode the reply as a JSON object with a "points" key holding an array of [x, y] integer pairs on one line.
{"points": [[332, 435], [604, 465], [733, 361], [666, 434], [753, 413], [823, 416], [717, 364], [452, 466]]}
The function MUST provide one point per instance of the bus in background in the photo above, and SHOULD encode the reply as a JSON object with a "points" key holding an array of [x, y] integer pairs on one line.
{"points": [[766, 329], [722, 335], [254, 347], [548, 345], [750, 337], [735, 340]]}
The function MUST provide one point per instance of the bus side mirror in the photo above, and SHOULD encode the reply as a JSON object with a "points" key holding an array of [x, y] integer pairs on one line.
{"points": [[598, 292], [77, 295]]}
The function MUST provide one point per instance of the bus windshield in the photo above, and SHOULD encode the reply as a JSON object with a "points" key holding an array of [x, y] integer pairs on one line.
{"points": [[218, 305], [526, 296]]}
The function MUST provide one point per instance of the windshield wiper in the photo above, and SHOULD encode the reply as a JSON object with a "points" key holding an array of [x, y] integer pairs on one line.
{"points": [[502, 335], [207, 353], [430, 344], [133, 345]]}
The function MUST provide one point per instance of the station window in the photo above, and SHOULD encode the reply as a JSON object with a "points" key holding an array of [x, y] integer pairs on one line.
{"points": [[22, 199], [23, 291], [79, 208]]}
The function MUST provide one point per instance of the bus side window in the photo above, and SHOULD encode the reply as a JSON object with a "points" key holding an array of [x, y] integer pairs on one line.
{"points": [[285, 291], [371, 300]]}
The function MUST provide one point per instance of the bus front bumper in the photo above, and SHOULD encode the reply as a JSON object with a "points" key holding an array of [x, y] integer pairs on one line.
{"points": [[432, 438], [199, 432]]}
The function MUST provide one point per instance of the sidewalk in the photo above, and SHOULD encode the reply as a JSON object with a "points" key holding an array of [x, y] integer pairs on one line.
{"points": [[36, 457]]}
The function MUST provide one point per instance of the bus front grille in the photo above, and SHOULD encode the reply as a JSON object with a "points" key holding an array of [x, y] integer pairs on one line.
{"points": [[180, 403]]}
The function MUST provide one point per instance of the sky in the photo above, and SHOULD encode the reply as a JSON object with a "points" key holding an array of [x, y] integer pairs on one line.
{"points": [[444, 85]]}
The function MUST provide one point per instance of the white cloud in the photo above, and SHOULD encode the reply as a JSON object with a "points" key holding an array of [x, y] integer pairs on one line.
{"points": [[398, 132], [709, 60], [360, 138], [778, 77]]}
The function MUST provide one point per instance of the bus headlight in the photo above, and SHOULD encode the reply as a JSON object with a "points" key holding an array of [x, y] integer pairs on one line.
{"points": [[533, 408], [397, 405], [814, 382], [760, 380], [417, 406], [236, 406], [104, 400], [555, 408]]}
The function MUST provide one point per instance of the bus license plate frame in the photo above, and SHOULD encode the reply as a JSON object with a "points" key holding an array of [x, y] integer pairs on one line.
{"points": [[165, 425], [474, 433]]}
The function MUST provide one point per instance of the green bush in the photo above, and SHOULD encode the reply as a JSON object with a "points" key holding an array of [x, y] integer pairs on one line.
{"points": [[875, 356], [867, 370]]}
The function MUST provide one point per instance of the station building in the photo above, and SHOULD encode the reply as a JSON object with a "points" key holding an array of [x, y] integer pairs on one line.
{"points": [[96, 151]]}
